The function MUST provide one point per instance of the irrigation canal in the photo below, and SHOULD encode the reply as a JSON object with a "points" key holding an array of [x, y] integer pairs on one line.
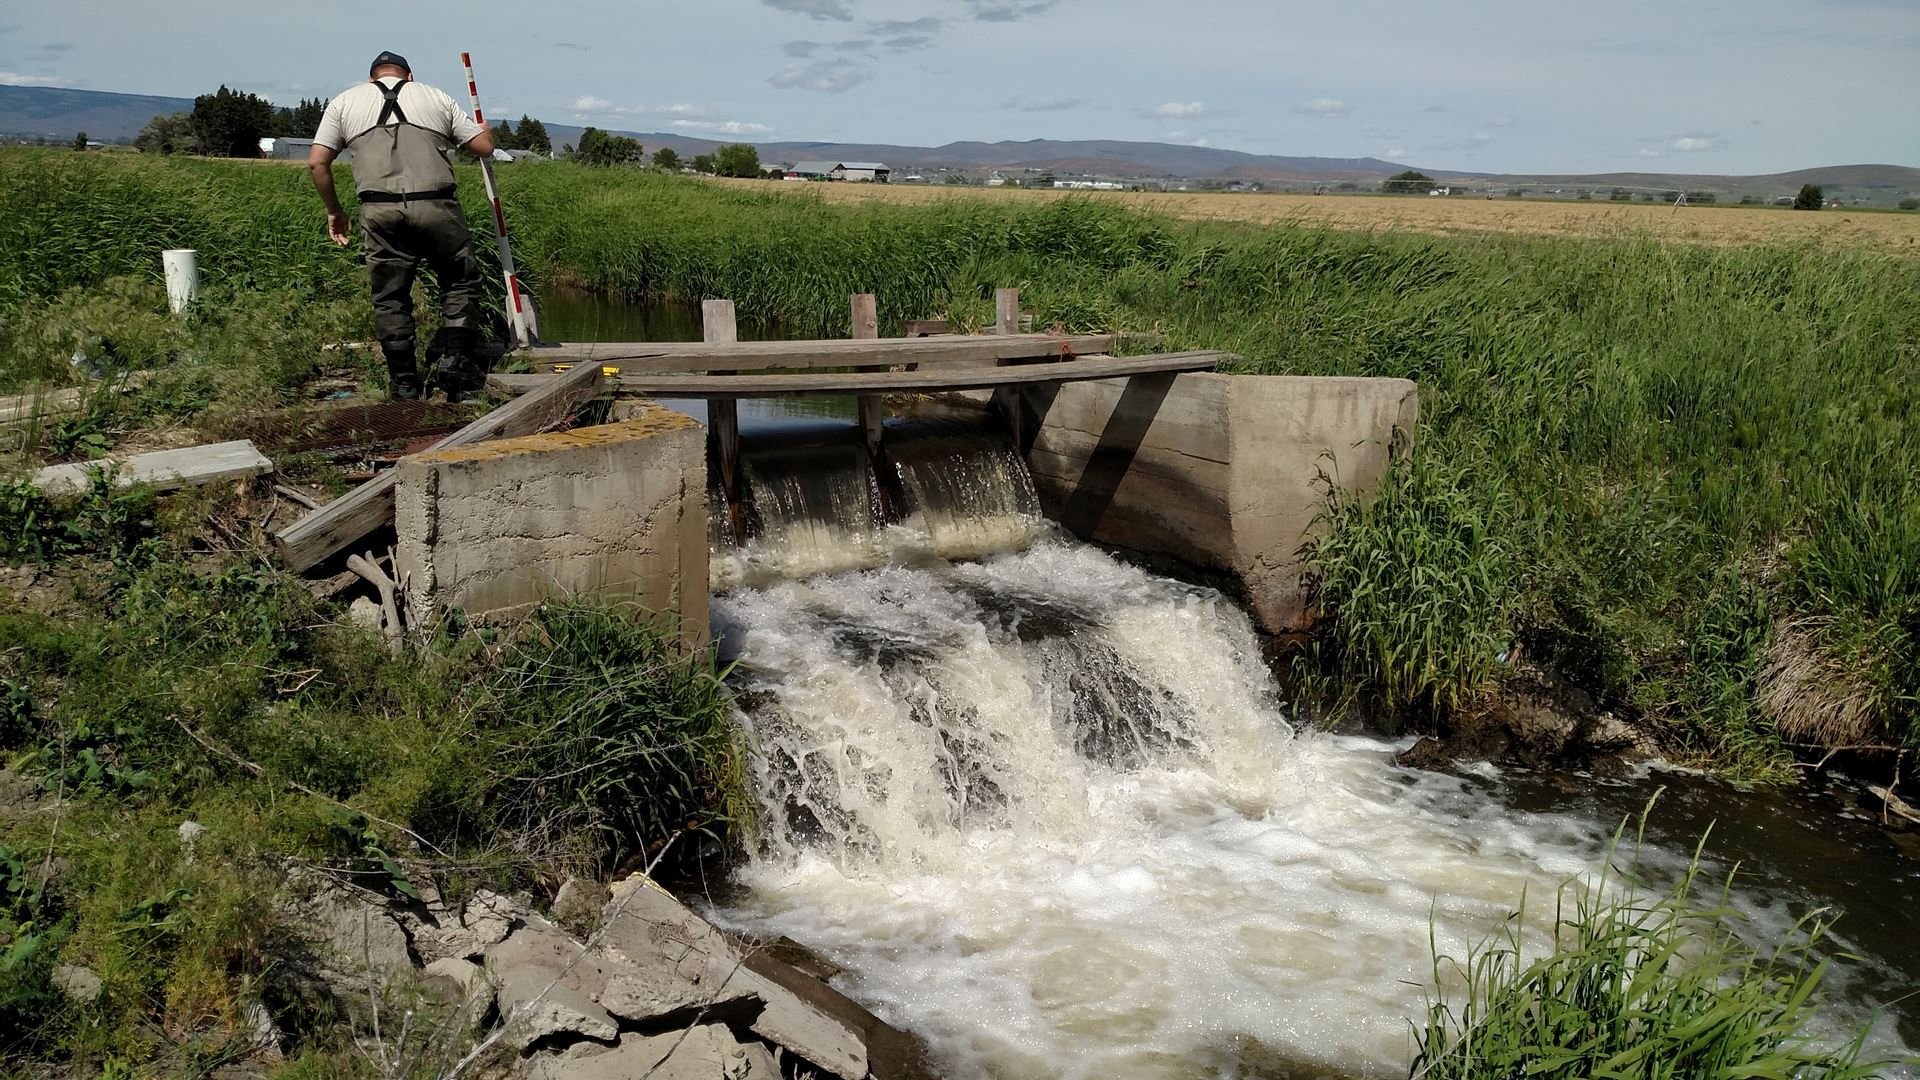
{"points": [[1048, 810]]}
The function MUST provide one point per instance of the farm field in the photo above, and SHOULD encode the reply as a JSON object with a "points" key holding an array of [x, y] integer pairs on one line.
{"points": [[1446, 216]]}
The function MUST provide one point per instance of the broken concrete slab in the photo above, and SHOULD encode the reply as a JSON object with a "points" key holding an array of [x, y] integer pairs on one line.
{"points": [[463, 931], [80, 984], [676, 959], [548, 985], [357, 943], [1223, 472], [706, 1052], [619, 510], [163, 470]]}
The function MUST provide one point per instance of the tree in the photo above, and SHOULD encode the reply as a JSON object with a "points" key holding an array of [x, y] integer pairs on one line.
{"points": [[603, 148], [80, 141], [167, 135], [703, 163], [301, 121], [230, 123], [665, 158], [1910, 204], [1810, 198], [1620, 194], [503, 136], [533, 135], [1408, 183], [737, 159]]}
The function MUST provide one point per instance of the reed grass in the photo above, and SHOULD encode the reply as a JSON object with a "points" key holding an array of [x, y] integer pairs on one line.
{"points": [[1636, 458], [1636, 986]]}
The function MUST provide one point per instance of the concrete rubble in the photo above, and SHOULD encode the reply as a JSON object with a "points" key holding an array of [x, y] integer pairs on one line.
{"points": [[653, 986]]}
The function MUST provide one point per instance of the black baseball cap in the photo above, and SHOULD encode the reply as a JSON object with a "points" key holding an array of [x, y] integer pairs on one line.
{"points": [[390, 58]]}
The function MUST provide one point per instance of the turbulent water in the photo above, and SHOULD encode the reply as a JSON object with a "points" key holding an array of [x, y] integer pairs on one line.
{"points": [[1049, 813]]}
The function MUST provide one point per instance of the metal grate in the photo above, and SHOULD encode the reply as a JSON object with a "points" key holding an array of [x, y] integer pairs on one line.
{"points": [[342, 427]]}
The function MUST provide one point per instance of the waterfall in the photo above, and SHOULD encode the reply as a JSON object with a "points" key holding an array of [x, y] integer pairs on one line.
{"points": [[1049, 811]]}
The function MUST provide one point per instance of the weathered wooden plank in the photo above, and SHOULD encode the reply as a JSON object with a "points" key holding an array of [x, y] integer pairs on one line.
{"points": [[47, 403], [720, 326], [369, 506], [866, 327], [1006, 311], [885, 382], [641, 358], [165, 470]]}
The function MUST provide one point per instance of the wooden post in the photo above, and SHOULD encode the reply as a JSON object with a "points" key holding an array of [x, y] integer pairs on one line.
{"points": [[1006, 310], [866, 325], [718, 326]]}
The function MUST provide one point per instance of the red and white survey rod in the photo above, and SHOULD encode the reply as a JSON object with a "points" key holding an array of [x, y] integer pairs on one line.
{"points": [[526, 327]]}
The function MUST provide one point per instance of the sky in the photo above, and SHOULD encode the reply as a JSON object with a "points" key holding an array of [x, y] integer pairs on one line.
{"points": [[1477, 85]]}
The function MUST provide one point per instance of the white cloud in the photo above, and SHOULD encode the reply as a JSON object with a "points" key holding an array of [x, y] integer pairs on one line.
{"points": [[590, 104], [678, 110], [925, 25], [1324, 108], [1181, 110], [1648, 151], [15, 78], [1503, 121], [1395, 151], [822, 76], [832, 10], [722, 127], [1688, 144], [1480, 138]]}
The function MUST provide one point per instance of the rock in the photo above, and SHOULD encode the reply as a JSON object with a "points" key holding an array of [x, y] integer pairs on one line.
{"points": [[667, 960], [707, 1052], [547, 987], [483, 921], [80, 984], [365, 612], [359, 945], [265, 1035], [467, 979], [682, 960], [577, 905], [190, 834]]}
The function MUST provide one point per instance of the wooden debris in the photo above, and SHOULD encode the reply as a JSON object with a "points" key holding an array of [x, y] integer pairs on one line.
{"points": [[370, 506], [165, 470]]}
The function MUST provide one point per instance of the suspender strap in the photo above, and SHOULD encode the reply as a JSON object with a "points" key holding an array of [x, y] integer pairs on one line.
{"points": [[392, 106]]}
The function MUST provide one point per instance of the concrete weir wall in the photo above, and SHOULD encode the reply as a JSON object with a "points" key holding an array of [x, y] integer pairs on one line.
{"points": [[494, 528], [1219, 471]]}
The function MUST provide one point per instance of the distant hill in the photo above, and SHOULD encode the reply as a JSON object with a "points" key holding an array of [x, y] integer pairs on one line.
{"points": [[55, 112], [52, 111]]}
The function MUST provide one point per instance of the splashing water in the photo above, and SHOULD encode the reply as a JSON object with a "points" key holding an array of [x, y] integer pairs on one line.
{"points": [[1048, 811]]}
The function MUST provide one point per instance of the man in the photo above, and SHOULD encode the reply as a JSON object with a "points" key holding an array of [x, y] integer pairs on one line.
{"points": [[400, 132]]}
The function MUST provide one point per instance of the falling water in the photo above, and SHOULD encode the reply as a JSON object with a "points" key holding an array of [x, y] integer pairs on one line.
{"points": [[1048, 810]]}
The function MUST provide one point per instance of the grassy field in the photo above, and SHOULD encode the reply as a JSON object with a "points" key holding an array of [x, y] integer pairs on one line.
{"points": [[1686, 476], [1597, 218]]}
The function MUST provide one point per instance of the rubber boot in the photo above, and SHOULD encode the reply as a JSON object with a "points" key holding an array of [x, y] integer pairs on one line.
{"points": [[403, 378], [456, 370]]}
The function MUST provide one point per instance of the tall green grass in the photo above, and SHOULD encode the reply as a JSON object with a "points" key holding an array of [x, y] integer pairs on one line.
{"points": [[1635, 986], [1636, 459]]}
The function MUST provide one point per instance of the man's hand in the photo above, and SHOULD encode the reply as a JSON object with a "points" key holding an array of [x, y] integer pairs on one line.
{"points": [[338, 228]]}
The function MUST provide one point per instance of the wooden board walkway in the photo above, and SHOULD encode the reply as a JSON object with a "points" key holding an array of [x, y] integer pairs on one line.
{"points": [[733, 387], [641, 357]]}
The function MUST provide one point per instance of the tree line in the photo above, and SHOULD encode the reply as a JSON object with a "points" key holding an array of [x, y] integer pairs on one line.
{"points": [[605, 149]]}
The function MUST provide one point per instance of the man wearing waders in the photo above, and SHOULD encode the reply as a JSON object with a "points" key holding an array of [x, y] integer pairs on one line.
{"points": [[400, 132]]}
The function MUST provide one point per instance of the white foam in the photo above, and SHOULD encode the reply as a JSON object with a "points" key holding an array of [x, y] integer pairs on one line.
{"points": [[1200, 887]]}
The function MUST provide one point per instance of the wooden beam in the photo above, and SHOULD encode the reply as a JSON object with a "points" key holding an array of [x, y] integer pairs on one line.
{"points": [[163, 470], [719, 326], [320, 534], [644, 358], [866, 327], [1006, 312], [885, 382]]}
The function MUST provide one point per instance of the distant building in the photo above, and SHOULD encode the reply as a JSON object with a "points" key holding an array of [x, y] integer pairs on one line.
{"points": [[290, 149], [859, 171], [1091, 185], [1441, 191]]}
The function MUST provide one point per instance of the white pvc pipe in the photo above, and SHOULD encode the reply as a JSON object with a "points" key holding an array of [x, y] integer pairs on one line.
{"points": [[182, 266]]}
